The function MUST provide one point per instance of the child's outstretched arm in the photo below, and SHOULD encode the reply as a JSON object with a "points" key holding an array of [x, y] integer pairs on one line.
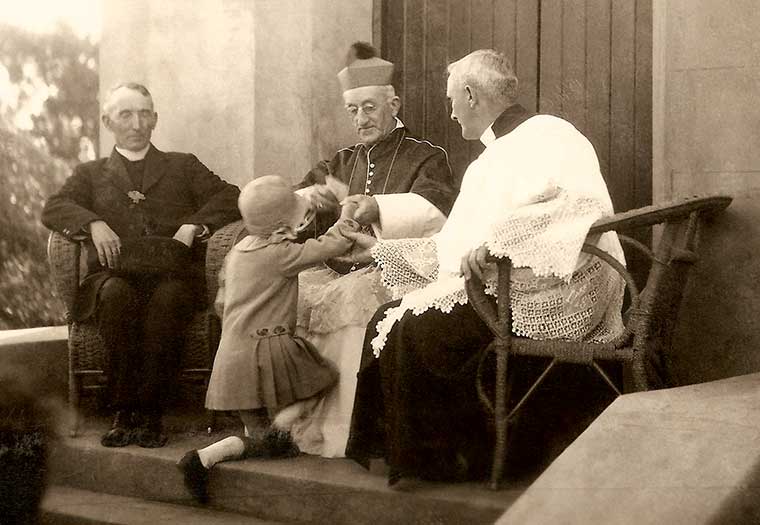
{"points": [[296, 257]]}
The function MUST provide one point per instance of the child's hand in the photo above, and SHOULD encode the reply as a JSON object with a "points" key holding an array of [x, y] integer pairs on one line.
{"points": [[361, 251]]}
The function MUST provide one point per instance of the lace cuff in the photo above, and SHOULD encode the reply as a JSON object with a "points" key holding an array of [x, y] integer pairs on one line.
{"points": [[406, 264]]}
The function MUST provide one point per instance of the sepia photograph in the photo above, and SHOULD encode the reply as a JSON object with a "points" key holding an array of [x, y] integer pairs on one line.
{"points": [[379, 262]]}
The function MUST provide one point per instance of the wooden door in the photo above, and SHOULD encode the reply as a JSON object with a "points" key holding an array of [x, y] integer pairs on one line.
{"points": [[589, 61]]}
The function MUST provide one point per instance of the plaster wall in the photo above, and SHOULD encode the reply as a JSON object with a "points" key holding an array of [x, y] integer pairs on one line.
{"points": [[706, 124], [247, 85]]}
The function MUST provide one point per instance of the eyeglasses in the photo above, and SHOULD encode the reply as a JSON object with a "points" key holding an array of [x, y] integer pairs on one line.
{"points": [[368, 109]]}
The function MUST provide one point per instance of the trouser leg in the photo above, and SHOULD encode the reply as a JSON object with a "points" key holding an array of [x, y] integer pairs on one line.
{"points": [[165, 317], [118, 322]]}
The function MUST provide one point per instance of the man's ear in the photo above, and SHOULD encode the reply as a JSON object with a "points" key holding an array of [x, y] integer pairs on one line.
{"points": [[106, 121], [472, 98], [395, 105], [155, 120]]}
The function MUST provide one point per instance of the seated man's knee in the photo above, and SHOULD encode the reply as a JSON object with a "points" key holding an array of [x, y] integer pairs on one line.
{"points": [[117, 290], [172, 295], [117, 301]]}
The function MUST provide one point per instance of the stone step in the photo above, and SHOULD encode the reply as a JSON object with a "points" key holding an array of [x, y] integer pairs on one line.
{"points": [[680, 455], [302, 489], [71, 506]]}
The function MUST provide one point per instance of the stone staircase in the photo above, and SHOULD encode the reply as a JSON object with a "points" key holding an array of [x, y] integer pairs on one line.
{"points": [[91, 484]]}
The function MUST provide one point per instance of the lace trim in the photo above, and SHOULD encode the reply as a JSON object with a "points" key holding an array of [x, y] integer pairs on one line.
{"points": [[406, 264], [329, 301], [587, 308], [551, 300]]}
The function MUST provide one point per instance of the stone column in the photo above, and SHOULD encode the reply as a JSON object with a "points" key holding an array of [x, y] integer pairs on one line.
{"points": [[247, 85]]}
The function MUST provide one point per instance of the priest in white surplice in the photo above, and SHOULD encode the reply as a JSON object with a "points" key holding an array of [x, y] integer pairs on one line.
{"points": [[532, 196]]}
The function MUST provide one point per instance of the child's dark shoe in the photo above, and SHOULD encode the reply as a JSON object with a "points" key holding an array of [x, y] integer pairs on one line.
{"points": [[279, 444], [195, 476]]}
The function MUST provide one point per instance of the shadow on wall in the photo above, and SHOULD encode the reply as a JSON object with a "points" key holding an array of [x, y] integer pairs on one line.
{"points": [[717, 334]]}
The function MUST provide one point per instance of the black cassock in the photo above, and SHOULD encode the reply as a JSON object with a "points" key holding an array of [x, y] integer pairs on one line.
{"points": [[399, 163]]}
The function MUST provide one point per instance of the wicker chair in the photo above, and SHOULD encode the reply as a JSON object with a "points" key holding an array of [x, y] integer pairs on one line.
{"points": [[86, 348], [649, 321]]}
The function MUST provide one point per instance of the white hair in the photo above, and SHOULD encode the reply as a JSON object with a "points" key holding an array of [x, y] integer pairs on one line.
{"points": [[489, 72], [134, 86]]}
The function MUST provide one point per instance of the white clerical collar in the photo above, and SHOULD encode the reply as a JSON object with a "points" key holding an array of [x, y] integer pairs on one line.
{"points": [[399, 124], [488, 136], [133, 155]]}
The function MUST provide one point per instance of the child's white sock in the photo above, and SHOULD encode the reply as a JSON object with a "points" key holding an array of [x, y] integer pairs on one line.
{"points": [[224, 450]]}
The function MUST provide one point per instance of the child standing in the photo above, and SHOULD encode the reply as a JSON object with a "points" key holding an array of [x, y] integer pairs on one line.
{"points": [[261, 366]]}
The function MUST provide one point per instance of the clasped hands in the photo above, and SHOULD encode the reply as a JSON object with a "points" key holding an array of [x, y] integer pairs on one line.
{"points": [[361, 208], [365, 208], [108, 244], [360, 252]]}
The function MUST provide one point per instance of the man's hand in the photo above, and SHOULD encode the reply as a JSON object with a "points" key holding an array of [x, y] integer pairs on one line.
{"points": [[107, 243], [187, 234], [360, 252], [474, 262], [367, 210], [322, 198]]}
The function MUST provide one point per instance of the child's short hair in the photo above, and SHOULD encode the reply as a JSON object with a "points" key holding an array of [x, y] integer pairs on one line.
{"points": [[266, 205]]}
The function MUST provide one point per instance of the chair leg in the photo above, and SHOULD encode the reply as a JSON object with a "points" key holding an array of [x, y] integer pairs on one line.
{"points": [[74, 387], [500, 417], [639, 373]]}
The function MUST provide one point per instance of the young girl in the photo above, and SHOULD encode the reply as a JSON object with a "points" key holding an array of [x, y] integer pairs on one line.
{"points": [[260, 363]]}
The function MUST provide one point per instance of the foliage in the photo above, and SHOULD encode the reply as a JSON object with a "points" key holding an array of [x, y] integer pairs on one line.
{"points": [[49, 85], [27, 177], [48, 123]]}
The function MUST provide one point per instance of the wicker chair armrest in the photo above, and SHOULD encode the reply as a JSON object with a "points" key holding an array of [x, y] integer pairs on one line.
{"points": [[63, 256], [485, 306], [218, 247], [672, 211]]}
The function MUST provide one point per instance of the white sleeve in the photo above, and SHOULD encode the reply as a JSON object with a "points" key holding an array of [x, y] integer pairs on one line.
{"points": [[406, 215]]}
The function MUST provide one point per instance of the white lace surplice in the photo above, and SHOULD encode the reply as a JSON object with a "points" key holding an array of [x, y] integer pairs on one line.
{"points": [[532, 195], [333, 312]]}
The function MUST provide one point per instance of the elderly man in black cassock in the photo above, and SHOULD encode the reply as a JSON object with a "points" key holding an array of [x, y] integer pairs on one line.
{"points": [[403, 187], [139, 191]]}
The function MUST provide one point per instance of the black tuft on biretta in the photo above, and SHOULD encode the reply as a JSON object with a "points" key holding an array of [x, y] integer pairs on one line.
{"points": [[360, 51]]}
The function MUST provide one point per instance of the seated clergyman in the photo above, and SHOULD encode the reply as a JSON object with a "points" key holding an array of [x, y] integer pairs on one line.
{"points": [[531, 196], [402, 186], [138, 193]]}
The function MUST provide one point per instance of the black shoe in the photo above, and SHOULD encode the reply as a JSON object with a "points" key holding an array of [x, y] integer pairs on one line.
{"points": [[149, 434], [195, 476], [279, 444], [121, 432]]}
